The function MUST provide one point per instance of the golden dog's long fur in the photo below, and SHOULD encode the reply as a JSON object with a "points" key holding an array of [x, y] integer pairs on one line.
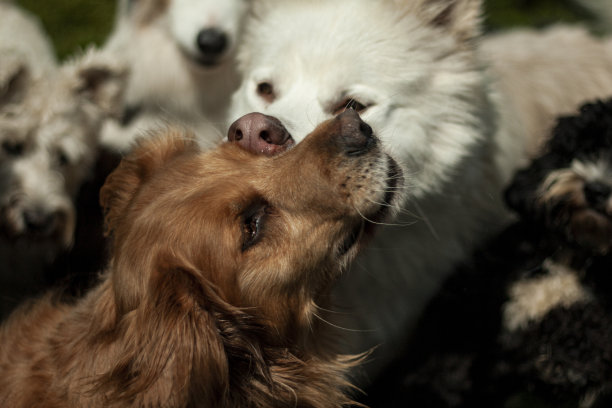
{"points": [[220, 261]]}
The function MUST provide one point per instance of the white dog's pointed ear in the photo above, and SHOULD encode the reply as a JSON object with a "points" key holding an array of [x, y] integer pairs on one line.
{"points": [[462, 18], [14, 77], [100, 80]]}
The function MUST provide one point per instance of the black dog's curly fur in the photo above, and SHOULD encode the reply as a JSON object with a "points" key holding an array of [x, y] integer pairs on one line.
{"points": [[586, 137], [464, 355]]}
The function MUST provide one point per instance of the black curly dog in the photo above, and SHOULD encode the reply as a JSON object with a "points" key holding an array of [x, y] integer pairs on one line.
{"points": [[528, 321]]}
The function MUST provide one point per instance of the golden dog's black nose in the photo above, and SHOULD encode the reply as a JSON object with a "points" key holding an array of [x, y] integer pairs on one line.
{"points": [[260, 134], [355, 136]]}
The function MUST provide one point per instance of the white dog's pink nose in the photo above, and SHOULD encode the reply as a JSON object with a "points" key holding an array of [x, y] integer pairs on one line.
{"points": [[260, 134]]}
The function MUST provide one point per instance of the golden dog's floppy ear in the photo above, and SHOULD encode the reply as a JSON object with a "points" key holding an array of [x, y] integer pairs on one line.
{"points": [[170, 334], [184, 329], [151, 153]]}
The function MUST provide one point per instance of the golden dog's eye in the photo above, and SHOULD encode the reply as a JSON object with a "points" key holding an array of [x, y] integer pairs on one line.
{"points": [[266, 91], [252, 224], [349, 103], [251, 228]]}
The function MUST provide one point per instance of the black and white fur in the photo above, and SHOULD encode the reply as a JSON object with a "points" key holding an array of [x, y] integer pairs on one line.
{"points": [[529, 317]]}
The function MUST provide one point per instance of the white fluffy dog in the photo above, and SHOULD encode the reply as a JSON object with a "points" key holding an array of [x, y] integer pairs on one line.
{"points": [[48, 144], [417, 73], [602, 9], [181, 56], [25, 51]]}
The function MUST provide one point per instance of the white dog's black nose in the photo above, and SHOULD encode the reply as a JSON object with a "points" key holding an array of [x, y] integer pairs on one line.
{"points": [[212, 43], [260, 134]]}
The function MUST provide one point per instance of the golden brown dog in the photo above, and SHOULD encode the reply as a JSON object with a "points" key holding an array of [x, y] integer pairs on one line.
{"points": [[221, 261]]}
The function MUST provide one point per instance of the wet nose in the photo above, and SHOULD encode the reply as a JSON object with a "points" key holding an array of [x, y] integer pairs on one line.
{"points": [[356, 136], [212, 42], [597, 194], [40, 222], [260, 134]]}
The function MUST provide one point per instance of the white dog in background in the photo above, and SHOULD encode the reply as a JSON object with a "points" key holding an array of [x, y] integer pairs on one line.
{"points": [[601, 9], [48, 145], [181, 56], [415, 71], [25, 51]]}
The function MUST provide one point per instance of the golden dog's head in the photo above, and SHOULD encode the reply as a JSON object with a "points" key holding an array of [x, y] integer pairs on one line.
{"points": [[267, 233]]}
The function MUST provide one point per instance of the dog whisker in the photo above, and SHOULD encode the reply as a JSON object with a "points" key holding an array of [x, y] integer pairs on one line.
{"points": [[388, 190], [346, 329], [388, 224], [407, 212], [380, 204], [329, 310], [426, 220]]}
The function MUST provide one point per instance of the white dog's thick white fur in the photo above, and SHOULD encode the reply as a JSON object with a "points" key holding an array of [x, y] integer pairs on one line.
{"points": [[418, 67], [170, 80], [548, 73], [25, 48]]}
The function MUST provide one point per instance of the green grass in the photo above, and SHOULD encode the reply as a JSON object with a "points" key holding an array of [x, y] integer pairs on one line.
{"points": [[74, 24], [500, 14]]}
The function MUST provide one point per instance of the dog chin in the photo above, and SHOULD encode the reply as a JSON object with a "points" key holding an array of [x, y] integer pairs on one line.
{"points": [[365, 231]]}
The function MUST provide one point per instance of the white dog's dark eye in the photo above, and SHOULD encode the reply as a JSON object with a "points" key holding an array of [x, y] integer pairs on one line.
{"points": [[349, 103], [13, 148], [266, 91], [252, 224]]}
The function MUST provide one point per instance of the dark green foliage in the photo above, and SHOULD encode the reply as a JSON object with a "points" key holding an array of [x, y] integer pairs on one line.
{"points": [[501, 14], [73, 24]]}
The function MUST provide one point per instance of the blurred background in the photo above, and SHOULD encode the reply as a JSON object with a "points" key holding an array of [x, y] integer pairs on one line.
{"points": [[73, 24]]}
